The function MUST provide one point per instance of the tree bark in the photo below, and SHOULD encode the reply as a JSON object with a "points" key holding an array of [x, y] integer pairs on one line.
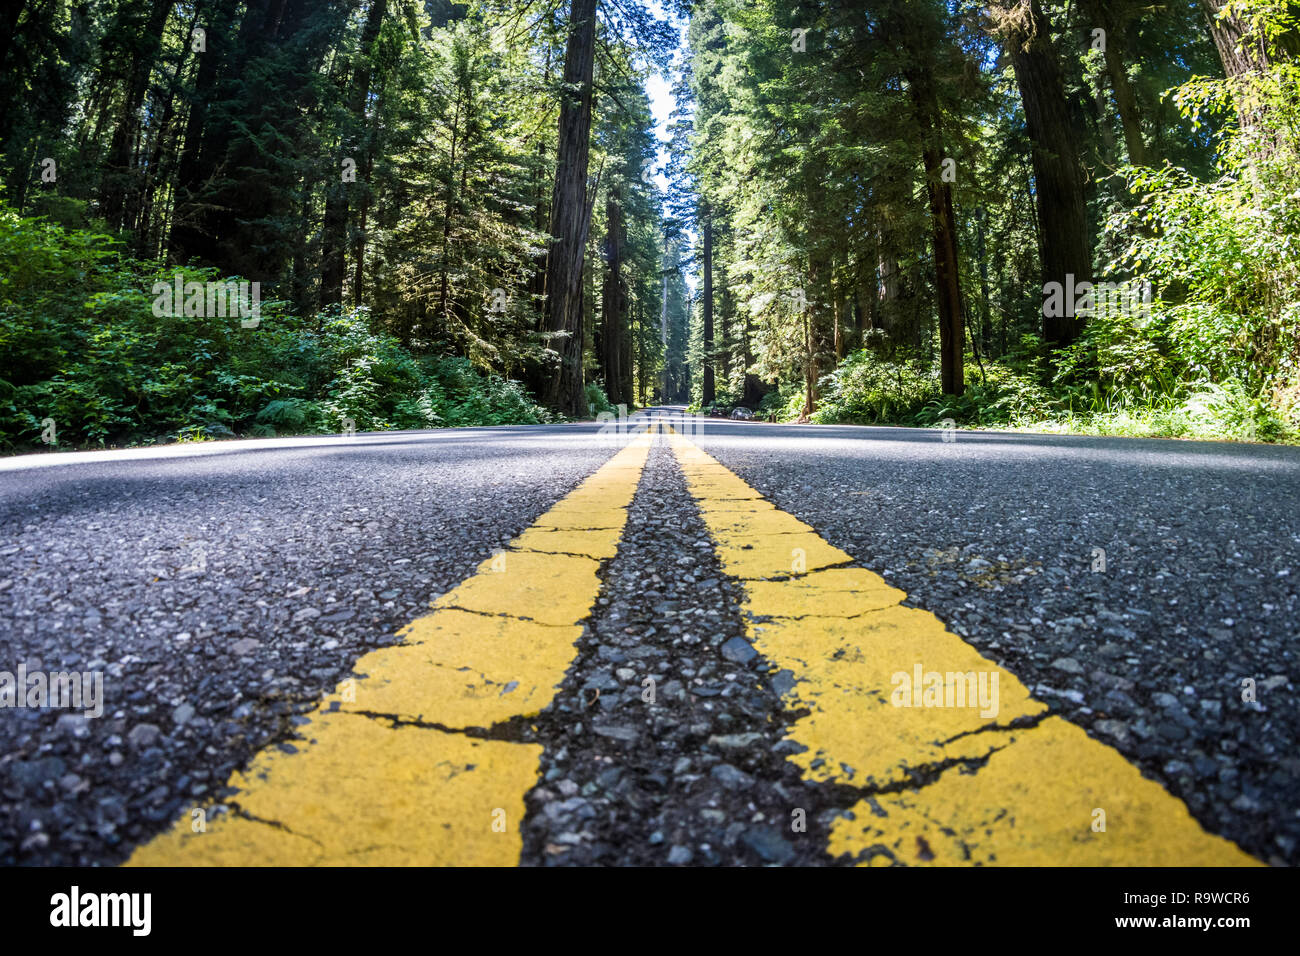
{"points": [[709, 393], [640, 353], [366, 168], [571, 216], [981, 252], [10, 82], [1130, 116], [1230, 35], [613, 309], [247, 196], [207, 129], [1103, 14], [664, 388], [1058, 175], [818, 329], [140, 212], [626, 339], [943, 228], [121, 180], [334, 230]]}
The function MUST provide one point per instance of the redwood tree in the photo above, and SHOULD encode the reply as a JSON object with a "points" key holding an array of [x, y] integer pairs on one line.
{"points": [[706, 228], [571, 204], [614, 340], [1066, 248]]}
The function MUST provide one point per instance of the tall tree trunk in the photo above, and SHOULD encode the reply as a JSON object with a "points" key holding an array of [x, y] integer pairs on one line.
{"points": [[206, 131], [709, 394], [302, 276], [943, 228], [1238, 52], [541, 207], [839, 337], [121, 179], [1066, 249], [818, 331], [1103, 14], [981, 252], [1130, 117], [10, 81], [334, 231], [809, 363], [247, 196], [613, 307], [725, 318], [887, 302], [627, 338], [639, 332], [664, 394], [365, 168], [570, 216], [447, 204], [140, 213], [1243, 52]]}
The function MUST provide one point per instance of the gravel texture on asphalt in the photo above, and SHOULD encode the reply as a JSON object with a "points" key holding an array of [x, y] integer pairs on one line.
{"points": [[695, 772], [222, 595], [997, 534]]}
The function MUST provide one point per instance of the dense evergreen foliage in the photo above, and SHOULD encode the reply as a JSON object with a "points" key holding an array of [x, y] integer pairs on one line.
{"points": [[386, 171], [894, 187], [1018, 212]]}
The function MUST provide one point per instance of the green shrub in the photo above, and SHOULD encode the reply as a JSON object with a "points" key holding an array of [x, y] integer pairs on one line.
{"points": [[80, 344], [867, 390], [597, 400]]}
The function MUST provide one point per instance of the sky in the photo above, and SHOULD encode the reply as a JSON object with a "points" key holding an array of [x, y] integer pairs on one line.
{"points": [[658, 87]]}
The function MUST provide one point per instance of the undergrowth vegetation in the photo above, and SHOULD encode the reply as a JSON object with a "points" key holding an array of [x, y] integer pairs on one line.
{"points": [[1213, 352], [84, 359]]}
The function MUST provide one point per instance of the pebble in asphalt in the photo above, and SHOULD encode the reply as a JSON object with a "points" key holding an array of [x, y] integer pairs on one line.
{"points": [[695, 772], [997, 534], [221, 596]]}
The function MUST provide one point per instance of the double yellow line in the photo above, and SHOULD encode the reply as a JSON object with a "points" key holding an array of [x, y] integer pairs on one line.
{"points": [[393, 768], [385, 773]]}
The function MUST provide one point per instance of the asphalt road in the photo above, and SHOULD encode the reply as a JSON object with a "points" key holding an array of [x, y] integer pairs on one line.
{"points": [[1138, 590]]}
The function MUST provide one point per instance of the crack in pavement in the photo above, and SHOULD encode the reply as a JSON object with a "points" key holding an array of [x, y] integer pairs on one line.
{"points": [[698, 773], [1021, 806], [1023, 722]]}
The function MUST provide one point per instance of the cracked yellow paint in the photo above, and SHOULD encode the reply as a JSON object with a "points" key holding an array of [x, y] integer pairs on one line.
{"points": [[379, 774], [844, 668], [755, 521], [547, 588], [599, 543], [1024, 807], [463, 670], [834, 592], [362, 793], [847, 639]]}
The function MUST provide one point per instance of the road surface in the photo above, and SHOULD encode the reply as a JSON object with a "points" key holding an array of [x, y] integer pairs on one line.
{"points": [[681, 642]]}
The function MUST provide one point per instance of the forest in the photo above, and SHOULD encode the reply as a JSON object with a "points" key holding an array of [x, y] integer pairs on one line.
{"points": [[1052, 216]]}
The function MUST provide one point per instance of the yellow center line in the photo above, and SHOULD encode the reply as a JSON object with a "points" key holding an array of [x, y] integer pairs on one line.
{"points": [[381, 775], [962, 765]]}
